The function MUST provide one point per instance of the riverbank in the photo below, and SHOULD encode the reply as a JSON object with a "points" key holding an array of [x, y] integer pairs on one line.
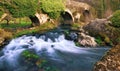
{"points": [[110, 61]]}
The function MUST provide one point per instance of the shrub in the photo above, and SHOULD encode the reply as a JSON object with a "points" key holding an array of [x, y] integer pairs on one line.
{"points": [[20, 8], [116, 19], [52, 7]]}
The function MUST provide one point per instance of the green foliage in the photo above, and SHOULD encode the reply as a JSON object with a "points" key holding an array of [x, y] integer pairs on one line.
{"points": [[47, 26], [116, 19], [13, 26], [29, 56], [32, 58], [75, 26], [115, 4], [52, 7], [40, 29], [21, 8], [98, 40], [24, 32]]}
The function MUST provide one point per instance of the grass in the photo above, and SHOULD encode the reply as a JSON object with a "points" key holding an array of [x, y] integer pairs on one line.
{"points": [[39, 29], [11, 25]]}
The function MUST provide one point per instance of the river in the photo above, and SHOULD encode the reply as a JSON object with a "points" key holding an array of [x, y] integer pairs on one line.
{"points": [[62, 53]]}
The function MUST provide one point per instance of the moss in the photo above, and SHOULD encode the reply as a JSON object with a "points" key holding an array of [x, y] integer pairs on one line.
{"points": [[24, 32], [39, 29], [75, 26], [52, 8], [29, 55]]}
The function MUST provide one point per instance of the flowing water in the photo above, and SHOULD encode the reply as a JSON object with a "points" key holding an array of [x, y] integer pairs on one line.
{"points": [[60, 52]]}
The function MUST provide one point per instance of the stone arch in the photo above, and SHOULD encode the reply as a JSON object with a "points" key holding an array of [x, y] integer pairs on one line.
{"points": [[87, 15], [67, 17], [35, 21], [39, 19]]}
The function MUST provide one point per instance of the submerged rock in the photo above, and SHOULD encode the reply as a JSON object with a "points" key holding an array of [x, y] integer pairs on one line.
{"points": [[109, 62]]}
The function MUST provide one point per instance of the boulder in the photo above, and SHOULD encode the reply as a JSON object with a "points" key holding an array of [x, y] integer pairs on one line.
{"points": [[102, 28], [86, 40], [97, 26]]}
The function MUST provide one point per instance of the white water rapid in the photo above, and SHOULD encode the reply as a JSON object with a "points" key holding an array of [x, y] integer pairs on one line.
{"points": [[60, 50]]}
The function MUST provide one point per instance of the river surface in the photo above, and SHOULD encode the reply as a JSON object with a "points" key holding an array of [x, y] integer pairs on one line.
{"points": [[56, 49]]}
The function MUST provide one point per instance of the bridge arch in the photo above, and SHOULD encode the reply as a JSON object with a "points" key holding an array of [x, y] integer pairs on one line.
{"points": [[67, 17]]}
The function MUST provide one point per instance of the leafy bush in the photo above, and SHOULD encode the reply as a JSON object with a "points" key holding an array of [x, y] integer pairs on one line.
{"points": [[21, 8], [52, 7], [116, 19]]}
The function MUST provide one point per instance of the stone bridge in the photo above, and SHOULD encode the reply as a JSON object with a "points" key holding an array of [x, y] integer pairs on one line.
{"points": [[75, 12]]}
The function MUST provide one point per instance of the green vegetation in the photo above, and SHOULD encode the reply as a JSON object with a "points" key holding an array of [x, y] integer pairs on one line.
{"points": [[25, 32], [75, 26], [20, 8], [116, 19], [99, 40], [105, 8], [11, 25], [39, 29], [52, 7], [29, 55], [31, 58]]}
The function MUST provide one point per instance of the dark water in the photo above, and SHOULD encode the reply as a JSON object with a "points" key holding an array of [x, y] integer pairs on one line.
{"points": [[83, 61]]}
